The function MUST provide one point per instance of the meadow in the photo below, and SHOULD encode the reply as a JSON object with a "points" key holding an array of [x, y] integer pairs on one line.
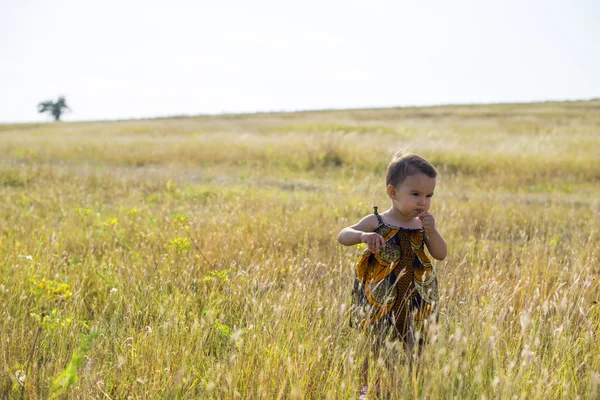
{"points": [[196, 257]]}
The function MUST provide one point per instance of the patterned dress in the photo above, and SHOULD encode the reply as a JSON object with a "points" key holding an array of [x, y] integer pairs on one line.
{"points": [[395, 290]]}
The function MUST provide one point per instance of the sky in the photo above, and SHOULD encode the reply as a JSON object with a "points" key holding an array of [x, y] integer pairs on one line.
{"points": [[122, 59]]}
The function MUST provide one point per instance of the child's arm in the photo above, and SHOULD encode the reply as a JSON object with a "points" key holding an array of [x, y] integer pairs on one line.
{"points": [[434, 241], [362, 232]]}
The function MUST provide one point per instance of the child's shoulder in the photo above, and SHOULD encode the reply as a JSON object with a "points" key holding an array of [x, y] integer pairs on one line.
{"points": [[369, 222]]}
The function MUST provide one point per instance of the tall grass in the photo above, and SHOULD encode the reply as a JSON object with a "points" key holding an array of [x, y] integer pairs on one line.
{"points": [[202, 253]]}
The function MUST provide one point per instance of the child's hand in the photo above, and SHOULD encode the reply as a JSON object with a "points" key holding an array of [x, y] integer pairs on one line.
{"points": [[428, 222], [374, 241]]}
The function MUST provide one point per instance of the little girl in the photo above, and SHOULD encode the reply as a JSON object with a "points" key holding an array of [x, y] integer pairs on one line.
{"points": [[395, 289]]}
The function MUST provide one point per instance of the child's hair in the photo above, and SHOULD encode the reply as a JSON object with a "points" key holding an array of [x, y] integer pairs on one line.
{"points": [[406, 164]]}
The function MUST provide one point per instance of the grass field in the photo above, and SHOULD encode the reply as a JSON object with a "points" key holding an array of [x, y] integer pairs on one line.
{"points": [[197, 257]]}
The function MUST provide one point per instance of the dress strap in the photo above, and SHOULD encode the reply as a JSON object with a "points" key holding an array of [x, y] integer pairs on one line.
{"points": [[377, 215]]}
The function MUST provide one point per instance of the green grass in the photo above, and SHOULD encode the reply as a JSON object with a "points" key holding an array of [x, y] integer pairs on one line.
{"points": [[202, 252]]}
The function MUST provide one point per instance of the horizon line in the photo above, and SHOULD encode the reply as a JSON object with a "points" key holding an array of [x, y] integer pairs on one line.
{"points": [[301, 111]]}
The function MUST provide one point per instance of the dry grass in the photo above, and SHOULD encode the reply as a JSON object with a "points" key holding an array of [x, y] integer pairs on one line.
{"points": [[202, 252]]}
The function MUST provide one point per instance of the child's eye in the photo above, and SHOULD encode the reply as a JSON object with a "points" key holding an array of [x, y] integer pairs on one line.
{"points": [[429, 195]]}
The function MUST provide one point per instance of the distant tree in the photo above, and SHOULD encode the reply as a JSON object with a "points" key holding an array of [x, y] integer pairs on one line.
{"points": [[55, 108]]}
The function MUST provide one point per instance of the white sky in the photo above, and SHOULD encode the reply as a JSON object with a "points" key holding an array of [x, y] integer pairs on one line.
{"points": [[117, 59]]}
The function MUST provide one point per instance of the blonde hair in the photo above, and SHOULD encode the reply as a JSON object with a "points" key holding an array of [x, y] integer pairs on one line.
{"points": [[406, 164]]}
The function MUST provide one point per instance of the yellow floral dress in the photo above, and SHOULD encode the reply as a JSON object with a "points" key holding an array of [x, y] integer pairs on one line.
{"points": [[395, 290]]}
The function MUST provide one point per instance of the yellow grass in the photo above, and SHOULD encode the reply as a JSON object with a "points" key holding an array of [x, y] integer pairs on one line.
{"points": [[202, 252]]}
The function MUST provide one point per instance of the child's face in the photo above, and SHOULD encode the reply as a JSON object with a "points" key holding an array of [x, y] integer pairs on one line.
{"points": [[413, 196]]}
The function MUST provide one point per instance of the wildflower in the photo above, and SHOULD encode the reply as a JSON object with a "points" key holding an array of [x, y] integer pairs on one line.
{"points": [[20, 375], [113, 290], [180, 245], [180, 220], [218, 275], [111, 222], [224, 329], [51, 290], [83, 212]]}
